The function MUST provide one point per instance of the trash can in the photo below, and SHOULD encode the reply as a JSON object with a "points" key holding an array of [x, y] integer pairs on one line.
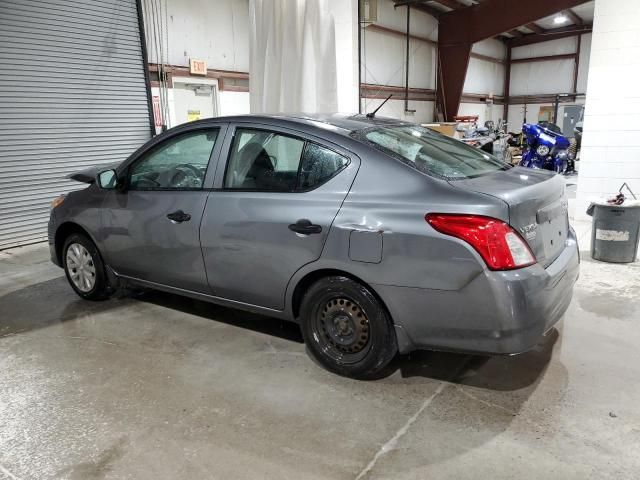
{"points": [[614, 236]]}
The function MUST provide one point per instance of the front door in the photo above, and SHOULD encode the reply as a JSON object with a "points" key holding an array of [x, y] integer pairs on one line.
{"points": [[151, 229], [271, 211]]}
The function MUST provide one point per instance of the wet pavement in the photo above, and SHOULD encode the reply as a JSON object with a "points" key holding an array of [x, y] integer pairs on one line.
{"points": [[156, 386]]}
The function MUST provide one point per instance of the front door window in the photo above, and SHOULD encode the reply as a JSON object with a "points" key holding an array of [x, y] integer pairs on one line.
{"points": [[179, 163]]}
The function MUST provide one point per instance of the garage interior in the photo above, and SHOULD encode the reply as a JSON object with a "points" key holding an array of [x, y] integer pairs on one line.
{"points": [[155, 385]]}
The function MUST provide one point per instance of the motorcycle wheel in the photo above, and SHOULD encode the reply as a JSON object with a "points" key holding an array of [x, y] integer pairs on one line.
{"points": [[572, 151]]}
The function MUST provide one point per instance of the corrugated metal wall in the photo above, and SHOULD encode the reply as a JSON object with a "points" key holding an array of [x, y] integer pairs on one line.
{"points": [[72, 94]]}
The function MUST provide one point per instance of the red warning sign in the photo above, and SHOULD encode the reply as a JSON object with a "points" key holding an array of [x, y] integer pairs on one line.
{"points": [[156, 111]]}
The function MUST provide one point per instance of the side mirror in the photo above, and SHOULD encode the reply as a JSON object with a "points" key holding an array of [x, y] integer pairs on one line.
{"points": [[107, 179]]}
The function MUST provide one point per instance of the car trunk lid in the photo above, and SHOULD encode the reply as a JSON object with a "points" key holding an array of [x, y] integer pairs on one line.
{"points": [[537, 206]]}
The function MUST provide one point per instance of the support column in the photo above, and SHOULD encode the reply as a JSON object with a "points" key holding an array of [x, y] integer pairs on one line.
{"points": [[453, 62], [576, 65], [507, 84], [611, 138]]}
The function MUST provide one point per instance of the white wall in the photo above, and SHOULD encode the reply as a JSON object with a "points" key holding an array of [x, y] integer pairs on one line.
{"points": [[516, 115], [543, 49], [233, 103], [383, 54], [395, 109], [214, 31], [533, 78], [611, 139], [217, 32], [552, 76], [383, 63], [485, 77], [485, 112]]}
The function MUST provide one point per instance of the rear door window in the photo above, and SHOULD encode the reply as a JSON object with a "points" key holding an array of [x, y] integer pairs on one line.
{"points": [[319, 164], [271, 161], [263, 160]]}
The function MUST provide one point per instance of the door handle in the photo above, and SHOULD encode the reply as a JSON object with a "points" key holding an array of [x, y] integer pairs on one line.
{"points": [[179, 216], [305, 227]]}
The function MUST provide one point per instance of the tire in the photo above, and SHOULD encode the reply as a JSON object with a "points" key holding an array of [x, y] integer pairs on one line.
{"points": [[346, 328], [84, 268]]}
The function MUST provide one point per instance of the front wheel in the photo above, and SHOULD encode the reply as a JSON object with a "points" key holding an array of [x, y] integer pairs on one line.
{"points": [[84, 268], [346, 328]]}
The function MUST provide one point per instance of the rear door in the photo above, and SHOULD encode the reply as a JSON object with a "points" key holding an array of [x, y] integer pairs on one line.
{"points": [[271, 210], [151, 229]]}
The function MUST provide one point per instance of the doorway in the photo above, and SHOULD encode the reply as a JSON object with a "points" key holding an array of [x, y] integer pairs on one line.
{"points": [[572, 115], [194, 99]]}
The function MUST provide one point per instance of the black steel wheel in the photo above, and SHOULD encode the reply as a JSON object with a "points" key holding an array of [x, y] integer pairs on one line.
{"points": [[346, 328]]}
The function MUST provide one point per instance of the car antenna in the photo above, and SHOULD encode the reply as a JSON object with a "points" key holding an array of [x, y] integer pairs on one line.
{"points": [[373, 114]]}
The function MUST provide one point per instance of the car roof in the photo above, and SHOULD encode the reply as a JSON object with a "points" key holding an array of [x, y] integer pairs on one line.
{"points": [[344, 123]]}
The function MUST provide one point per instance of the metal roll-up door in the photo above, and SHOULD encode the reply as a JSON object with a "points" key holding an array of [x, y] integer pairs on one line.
{"points": [[72, 94]]}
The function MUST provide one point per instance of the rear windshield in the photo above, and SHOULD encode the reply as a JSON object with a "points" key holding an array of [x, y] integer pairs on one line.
{"points": [[430, 152]]}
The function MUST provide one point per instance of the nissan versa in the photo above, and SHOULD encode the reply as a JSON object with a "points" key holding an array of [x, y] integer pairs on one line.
{"points": [[376, 236]]}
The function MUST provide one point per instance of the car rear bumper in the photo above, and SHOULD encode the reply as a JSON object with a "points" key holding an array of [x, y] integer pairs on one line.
{"points": [[496, 312]]}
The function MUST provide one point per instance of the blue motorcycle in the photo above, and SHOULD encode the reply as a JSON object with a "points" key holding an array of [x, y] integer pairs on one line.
{"points": [[546, 148]]}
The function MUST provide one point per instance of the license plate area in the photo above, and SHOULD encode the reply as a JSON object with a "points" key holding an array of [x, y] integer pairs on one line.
{"points": [[553, 225]]}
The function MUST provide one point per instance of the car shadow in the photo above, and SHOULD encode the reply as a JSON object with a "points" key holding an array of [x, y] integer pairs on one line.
{"points": [[497, 372], [238, 318], [49, 303]]}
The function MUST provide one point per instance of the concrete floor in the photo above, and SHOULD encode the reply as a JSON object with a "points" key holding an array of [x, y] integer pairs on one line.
{"points": [[162, 387]]}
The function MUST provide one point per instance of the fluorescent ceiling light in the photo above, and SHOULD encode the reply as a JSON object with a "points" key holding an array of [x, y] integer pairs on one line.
{"points": [[560, 19]]}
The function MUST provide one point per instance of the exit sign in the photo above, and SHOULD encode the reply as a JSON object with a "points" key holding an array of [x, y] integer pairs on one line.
{"points": [[197, 67]]}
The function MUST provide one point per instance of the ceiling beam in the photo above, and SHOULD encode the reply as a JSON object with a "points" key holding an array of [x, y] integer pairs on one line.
{"points": [[534, 27], [553, 34], [459, 29], [452, 4], [418, 5], [574, 17], [404, 3], [479, 22], [546, 58]]}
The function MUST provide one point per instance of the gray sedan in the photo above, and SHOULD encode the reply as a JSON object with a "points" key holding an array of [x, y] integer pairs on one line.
{"points": [[376, 236]]}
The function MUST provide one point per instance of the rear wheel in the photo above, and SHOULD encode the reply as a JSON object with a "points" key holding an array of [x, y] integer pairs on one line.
{"points": [[346, 328], [84, 268]]}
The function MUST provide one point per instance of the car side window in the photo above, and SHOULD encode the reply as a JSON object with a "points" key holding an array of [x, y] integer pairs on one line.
{"points": [[263, 160], [319, 164], [179, 163]]}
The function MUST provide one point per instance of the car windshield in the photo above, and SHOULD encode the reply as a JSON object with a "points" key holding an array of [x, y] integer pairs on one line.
{"points": [[431, 152]]}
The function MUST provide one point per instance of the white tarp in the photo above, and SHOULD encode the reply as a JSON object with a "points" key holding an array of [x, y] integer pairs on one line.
{"points": [[292, 60]]}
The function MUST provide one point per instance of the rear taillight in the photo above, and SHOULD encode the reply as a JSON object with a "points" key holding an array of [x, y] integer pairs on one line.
{"points": [[501, 247]]}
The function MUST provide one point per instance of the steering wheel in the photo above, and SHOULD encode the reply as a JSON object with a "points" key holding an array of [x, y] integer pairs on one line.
{"points": [[180, 170]]}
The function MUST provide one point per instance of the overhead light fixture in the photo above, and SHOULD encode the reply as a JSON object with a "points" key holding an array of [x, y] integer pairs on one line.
{"points": [[560, 19]]}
